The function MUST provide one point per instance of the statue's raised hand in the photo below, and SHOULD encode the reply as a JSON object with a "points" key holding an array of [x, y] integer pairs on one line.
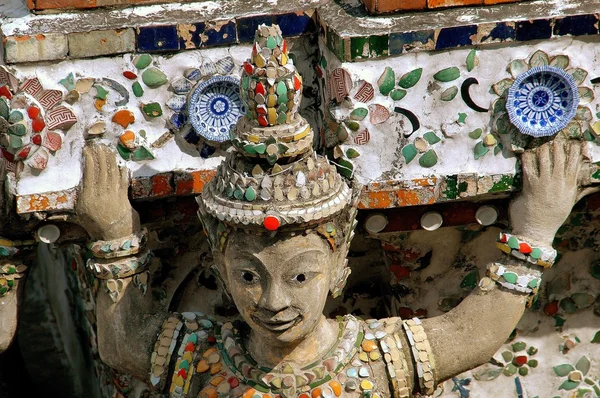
{"points": [[103, 204], [550, 189]]}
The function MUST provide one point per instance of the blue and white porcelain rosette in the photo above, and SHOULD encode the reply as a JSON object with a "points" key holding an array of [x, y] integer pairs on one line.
{"points": [[215, 107], [542, 101]]}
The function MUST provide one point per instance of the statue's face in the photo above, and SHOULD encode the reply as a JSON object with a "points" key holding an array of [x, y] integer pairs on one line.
{"points": [[279, 286]]}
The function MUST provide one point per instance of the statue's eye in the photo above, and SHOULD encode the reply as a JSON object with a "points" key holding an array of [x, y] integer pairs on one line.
{"points": [[300, 278], [249, 277]]}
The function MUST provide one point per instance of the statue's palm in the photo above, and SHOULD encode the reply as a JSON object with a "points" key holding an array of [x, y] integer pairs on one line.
{"points": [[103, 205]]}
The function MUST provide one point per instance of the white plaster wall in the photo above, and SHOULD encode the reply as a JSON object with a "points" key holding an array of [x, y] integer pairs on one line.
{"points": [[64, 169], [381, 157]]}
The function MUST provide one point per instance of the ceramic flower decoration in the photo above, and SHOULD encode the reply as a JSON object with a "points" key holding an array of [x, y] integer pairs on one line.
{"points": [[543, 97]]}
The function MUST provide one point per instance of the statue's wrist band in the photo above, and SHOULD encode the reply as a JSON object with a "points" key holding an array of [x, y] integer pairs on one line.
{"points": [[523, 251], [121, 247], [121, 268], [422, 355]]}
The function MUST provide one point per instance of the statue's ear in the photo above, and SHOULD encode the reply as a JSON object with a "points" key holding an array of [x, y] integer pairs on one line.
{"points": [[340, 270], [219, 270]]}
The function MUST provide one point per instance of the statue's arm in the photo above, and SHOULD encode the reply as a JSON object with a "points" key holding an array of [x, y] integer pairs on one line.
{"points": [[472, 332]]}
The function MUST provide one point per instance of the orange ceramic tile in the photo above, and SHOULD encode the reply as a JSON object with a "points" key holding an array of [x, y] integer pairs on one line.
{"points": [[161, 185], [58, 4], [452, 3], [193, 182], [375, 200], [489, 2], [383, 6]]}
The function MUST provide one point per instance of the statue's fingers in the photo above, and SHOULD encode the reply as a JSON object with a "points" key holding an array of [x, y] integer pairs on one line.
{"points": [[574, 161], [103, 168], [544, 161], [90, 167], [124, 177], [113, 173], [529, 166], [559, 149]]}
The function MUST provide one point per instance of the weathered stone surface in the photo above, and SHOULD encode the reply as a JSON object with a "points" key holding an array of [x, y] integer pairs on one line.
{"points": [[102, 42], [42, 47]]}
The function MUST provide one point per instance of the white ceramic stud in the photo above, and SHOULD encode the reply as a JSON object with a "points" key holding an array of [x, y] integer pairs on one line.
{"points": [[431, 221], [376, 223], [48, 233], [486, 215]]}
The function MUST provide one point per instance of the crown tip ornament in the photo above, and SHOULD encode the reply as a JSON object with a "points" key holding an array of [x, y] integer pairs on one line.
{"points": [[273, 179]]}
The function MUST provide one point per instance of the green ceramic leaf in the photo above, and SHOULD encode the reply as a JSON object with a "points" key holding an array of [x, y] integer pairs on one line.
{"points": [[345, 167], [532, 351], [532, 363], [428, 159], [480, 150], [487, 374], [472, 60], [352, 153], [101, 92], [386, 81], [510, 370], [352, 125], [398, 94], [583, 365], [142, 61], [539, 58], [568, 385], [475, 134], [523, 371], [586, 95], [411, 78], [431, 138], [563, 370], [15, 117], [409, 152], [560, 61], [519, 346], [497, 149], [578, 75], [470, 280], [447, 75], [502, 86], [462, 117], [359, 113], [449, 94], [499, 106], [4, 110], [596, 339], [507, 356], [517, 67]]}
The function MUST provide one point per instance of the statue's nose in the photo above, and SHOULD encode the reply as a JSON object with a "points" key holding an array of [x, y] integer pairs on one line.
{"points": [[274, 298]]}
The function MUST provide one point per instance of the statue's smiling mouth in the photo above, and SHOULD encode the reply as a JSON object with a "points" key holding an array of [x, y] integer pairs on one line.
{"points": [[277, 325]]}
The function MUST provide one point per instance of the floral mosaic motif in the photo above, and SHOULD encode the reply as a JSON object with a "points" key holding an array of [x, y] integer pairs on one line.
{"points": [[553, 72], [29, 116], [485, 143], [214, 107], [576, 377], [542, 101], [422, 147]]}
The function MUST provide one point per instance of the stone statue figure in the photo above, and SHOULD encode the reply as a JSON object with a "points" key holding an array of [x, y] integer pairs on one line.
{"points": [[279, 219]]}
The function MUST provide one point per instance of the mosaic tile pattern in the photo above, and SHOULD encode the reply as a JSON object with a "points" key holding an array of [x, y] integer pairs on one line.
{"points": [[356, 47]]}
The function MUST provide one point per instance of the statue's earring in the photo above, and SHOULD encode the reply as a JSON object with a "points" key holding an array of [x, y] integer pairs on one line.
{"points": [[337, 290]]}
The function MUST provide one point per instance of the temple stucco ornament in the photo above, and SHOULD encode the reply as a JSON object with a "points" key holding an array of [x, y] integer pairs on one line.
{"points": [[279, 219]]}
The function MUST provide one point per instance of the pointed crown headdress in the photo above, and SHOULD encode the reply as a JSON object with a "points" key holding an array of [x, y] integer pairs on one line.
{"points": [[273, 181]]}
